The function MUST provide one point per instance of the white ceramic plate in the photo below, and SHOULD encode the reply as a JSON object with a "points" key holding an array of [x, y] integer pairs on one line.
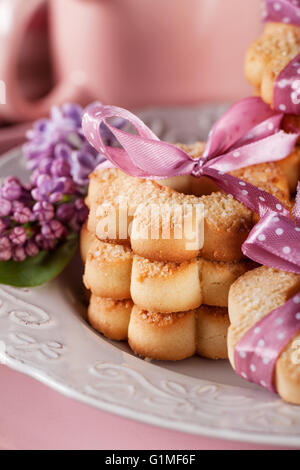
{"points": [[43, 334]]}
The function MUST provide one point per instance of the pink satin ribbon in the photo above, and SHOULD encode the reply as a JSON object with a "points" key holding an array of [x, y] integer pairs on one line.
{"points": [[282, 11], [287, 88], [248, 133], [286, 97], [273, 242]]}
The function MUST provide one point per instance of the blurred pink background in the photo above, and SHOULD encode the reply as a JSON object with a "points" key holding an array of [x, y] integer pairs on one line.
{"points": [[133, 53], [128, 53]]}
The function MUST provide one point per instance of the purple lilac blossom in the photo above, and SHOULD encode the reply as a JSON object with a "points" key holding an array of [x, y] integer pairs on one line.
{"points": [[65, 212], [52, 189], [31, 249], [22, 214], [19, 253], [40, 215], [2, 226], [52, 230], [57, 138], [5, 207], [18, 236], [5, 249], [11, 189], [43, 211]]}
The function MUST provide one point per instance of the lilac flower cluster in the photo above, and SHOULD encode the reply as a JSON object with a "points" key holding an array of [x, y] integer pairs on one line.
{"points": [[29, 225], [58, 154], [51, 207]]}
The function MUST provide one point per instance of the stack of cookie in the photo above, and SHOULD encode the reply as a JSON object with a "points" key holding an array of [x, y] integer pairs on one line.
{"points": [[167, 295], [266, 59]]}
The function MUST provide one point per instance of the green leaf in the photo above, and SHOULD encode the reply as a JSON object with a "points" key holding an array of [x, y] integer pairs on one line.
{"points": [[38, 270]]}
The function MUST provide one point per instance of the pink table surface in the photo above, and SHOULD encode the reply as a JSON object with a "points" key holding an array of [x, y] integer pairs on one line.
{"points": [[33, 416]]}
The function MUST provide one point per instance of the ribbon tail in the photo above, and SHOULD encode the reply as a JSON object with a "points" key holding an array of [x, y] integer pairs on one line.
{"points": [[270, 149], [256, 199]]}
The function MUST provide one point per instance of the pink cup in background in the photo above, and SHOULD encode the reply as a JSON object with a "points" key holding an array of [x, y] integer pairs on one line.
{"points": [[132, 53]]}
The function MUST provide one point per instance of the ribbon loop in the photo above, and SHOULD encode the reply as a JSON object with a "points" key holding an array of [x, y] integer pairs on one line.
{"points": [[246, 121], [142, 155]]}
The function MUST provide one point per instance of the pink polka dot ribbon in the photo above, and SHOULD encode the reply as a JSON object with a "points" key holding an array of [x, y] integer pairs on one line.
{"points": [[274, 242], [256, 355], [287, 88], [287, 85], [282, 11], [247, 134]]}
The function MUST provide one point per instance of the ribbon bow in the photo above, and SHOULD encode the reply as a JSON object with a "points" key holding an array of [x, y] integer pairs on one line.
{"points": [[273, 242], [247, 134]]}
